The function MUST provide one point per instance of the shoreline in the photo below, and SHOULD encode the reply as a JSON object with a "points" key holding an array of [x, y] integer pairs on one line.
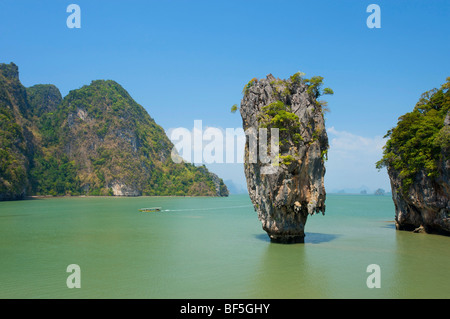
{"points": [[33, 197]]}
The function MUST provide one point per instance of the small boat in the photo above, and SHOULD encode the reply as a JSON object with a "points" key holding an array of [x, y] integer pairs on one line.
{"points": [[150, 209]]}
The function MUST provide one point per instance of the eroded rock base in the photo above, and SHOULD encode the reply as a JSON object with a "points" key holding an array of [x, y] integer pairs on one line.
{"points": [[287, 239]]}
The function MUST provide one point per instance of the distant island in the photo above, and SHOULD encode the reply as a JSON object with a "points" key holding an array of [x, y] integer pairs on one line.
{"points": [[417, 157], [363, 190], [95, 141]]}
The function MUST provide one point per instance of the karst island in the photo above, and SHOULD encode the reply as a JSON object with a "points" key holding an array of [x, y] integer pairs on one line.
{"points": [[290, 186]]}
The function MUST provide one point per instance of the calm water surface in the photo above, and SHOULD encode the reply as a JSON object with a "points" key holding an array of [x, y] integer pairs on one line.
{"points": [[212, 248]]}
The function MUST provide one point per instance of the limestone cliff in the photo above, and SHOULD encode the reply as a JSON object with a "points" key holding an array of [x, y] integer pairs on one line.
{"points": [[95, 141], [16, 145], [285, 193], [425, 206], [418, 162], [120, 150]]}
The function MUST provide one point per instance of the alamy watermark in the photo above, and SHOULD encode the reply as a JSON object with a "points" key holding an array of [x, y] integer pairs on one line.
{"points": [[374, 279], [374, 19], [74, 279], [74, 19], [214, 145]]}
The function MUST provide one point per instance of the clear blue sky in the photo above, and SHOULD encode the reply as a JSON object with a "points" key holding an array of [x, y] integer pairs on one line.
{"points": [[187, 60]]}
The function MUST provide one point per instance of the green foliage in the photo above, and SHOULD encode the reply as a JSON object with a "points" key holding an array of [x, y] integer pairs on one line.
{"points": [[297, 78], [94, 137], [279, 115], [283, 88], [314, 89], [420, 139], [324, 154], [133, 148], [287, 159], [223, 188], [103, 130], [249, 85], [314, 85], [234, 108], [443, 139], [14, 145], [55, 176], [315, 135], [47, 129], [323, 106], [42, 99], [328, 91]]}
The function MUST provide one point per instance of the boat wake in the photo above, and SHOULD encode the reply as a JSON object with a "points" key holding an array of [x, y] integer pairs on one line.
{"points": [[197, 209]]}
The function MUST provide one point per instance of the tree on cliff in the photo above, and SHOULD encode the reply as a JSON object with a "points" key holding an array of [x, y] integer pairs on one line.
{"points": [[290, 186], [418, 163], [420, 140], [96, 141]]}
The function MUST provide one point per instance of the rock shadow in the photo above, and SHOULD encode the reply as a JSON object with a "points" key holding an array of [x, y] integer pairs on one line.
{"points": [[310, 238], [319, 238], [390, 225]]}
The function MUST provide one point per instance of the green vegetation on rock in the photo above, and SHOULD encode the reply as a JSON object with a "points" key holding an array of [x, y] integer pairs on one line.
{"points": [[420, 140], [249, 85], [279, 115], [14, 144], [95, 141]]}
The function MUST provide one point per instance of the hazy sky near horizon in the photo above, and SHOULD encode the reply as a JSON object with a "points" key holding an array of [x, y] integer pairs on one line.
{"points": [[189, 60]]}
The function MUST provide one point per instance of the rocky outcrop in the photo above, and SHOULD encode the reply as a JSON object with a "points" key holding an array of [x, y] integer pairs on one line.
{"points": [[426, 205], [16, 145], [95, 141], [285, 193], [119, 150], [43, 98], [120, 189], [417, 158], [219, 185]]}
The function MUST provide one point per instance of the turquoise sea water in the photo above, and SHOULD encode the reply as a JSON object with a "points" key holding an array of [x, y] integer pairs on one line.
{"points": [[212, 248]]}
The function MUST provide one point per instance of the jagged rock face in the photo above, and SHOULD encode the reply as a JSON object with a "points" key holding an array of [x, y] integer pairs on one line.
{"points": [[43, 98], [425, 208], [285, 195], [95, 141], [119, 149], [15, 138], [220, 187], [120, 189], [417, 158]]}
